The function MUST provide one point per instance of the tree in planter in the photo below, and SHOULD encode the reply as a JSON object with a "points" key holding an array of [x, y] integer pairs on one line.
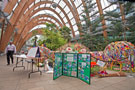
{"points": [[92, 29], [122, 29], [65, 32]]}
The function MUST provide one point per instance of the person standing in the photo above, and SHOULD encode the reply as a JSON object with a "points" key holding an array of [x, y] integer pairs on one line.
{"points": [[10, 50]]}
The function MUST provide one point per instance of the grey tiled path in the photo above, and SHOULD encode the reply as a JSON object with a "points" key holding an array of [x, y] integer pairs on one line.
{"points": [[18, 80]]}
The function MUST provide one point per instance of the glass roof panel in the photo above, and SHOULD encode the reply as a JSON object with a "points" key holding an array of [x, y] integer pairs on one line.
{"points": [[56, 1], [58, 10], [62, 3], [31, 5], [66, 9], [80, 9], [73, 21], [15, 6], [106, 3], [38, 26], [43, 5], [77, 2], [61, 14], [70, 15], [67, 25], [65, 20], [47, 5], [75, 27], [36, 1], [77, 33]]}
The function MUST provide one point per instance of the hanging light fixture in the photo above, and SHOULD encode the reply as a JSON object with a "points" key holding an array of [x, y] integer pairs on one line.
{"points": [[54, 5]]}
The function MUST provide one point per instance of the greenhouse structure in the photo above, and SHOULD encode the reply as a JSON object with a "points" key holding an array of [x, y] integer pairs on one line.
{"points": [[79, 41]]}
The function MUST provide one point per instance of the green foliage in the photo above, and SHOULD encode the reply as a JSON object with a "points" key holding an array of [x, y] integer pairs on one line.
{"points": [[117, 30], [52, 37], [65, 32], [124, 30], [95, 69], [54, 40], [34, 32], [92, 32]]}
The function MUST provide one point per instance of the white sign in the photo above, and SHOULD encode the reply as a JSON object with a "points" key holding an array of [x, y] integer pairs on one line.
{"points": [[100, 63], [32, 52]]}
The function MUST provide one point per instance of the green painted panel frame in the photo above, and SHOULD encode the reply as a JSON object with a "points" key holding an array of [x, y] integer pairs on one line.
{"points": [[73, 65], [57, 70], [84, 67], [70, 64]]}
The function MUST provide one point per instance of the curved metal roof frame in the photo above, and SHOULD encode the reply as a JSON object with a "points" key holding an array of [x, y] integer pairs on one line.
{"points": [[19, 20], [30, 25], [27, 37], [21, 9], [49, 2]]}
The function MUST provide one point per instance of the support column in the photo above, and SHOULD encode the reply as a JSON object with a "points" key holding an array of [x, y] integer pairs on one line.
{"points": [[103, 21]]}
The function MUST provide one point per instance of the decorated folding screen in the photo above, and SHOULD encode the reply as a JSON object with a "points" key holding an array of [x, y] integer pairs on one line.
{"points": [[70, 64], [57, 66], [84, 67]]}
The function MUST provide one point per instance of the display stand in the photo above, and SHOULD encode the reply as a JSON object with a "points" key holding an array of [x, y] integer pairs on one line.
{"points": [[21, 61], [72, 65], [58, 66], [84, 67], [33, 54]]}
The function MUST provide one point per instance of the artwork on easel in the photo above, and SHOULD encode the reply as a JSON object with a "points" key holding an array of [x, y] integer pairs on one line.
{"points": [[84, 67], [32, 52], [70, 64]]}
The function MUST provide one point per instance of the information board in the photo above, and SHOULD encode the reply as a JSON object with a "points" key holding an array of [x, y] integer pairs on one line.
{"points": [[84, 67], [70, 64], [32, 52], [57, 66], [73, 65]]}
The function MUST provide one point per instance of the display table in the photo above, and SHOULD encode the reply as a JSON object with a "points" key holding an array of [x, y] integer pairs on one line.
{"points": [[24, 58]]}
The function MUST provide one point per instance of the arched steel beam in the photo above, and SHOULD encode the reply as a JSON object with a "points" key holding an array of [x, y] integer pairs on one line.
{"points": [[46, 20], [26, 17], [10, 5], [103, 20], [22, 30], [31, 23], [39, 31], [24, 8], [46, 2], [31, 27], [21, 25], [76, 15], [13, 20]]}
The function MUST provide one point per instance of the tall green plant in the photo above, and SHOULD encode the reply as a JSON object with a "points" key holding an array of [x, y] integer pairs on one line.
{"points": [[65, 32], [122, 30], [53, 38], [92, 32]]}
